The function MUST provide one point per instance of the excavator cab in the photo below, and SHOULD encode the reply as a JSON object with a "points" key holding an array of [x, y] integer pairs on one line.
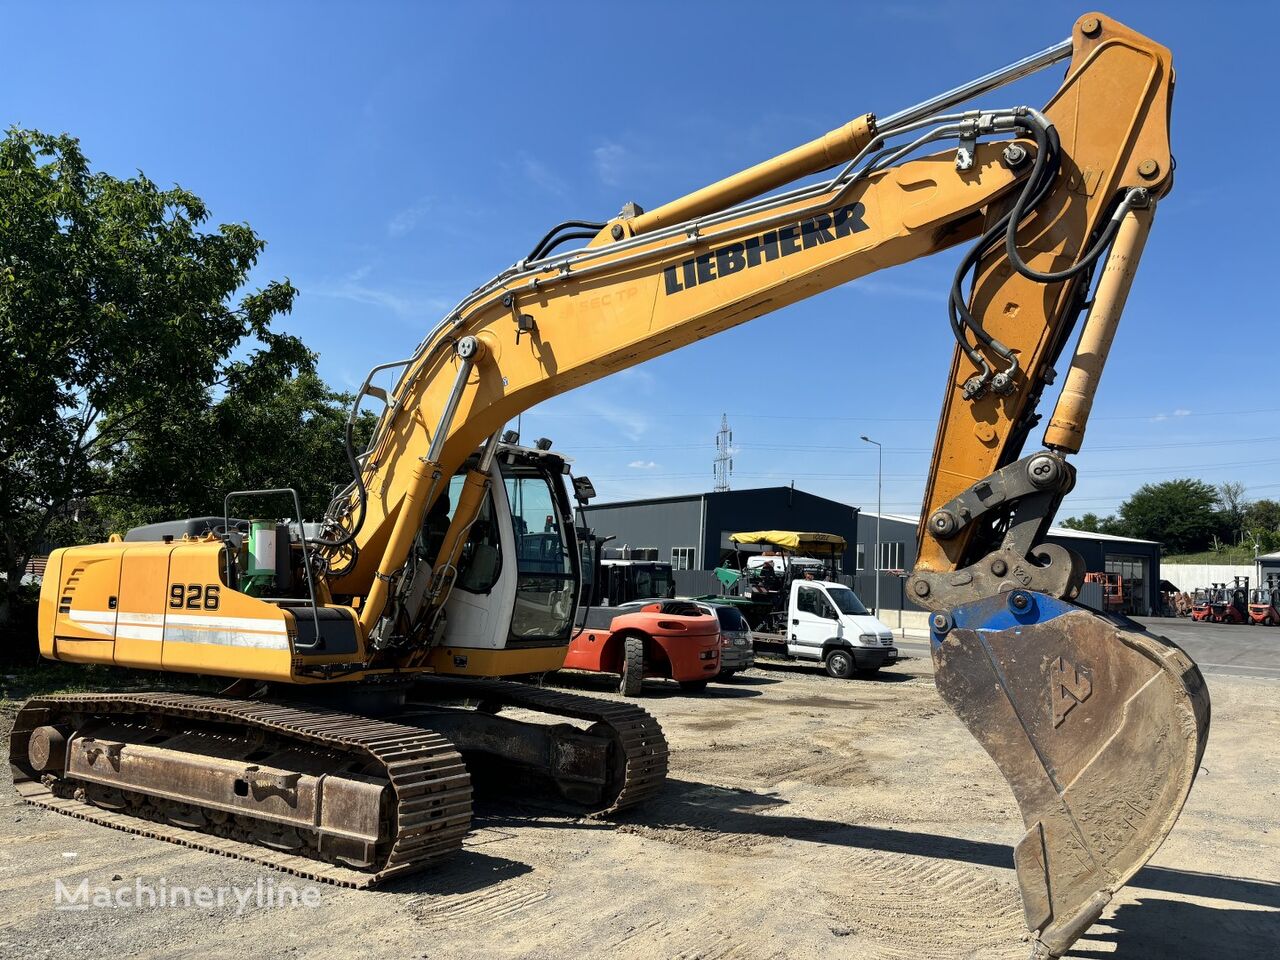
{"points": [[519, 571]]}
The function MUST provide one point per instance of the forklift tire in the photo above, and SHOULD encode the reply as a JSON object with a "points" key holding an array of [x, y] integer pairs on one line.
{"points": [[839, 663], [632, 681], [694, 686]]}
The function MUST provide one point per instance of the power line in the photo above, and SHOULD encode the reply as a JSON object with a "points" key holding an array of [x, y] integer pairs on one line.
{"points": [[830, 448], [672, 414]]}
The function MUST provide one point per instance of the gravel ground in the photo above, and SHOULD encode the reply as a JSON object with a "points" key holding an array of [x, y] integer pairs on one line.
{"points": [[805, 817]]}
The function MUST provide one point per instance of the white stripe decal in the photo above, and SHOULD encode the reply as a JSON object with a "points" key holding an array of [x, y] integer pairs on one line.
{"points": [[227, 623], [93, 616], [259, 633], [228, 638], [94, 622], [126, 617], [127, 631]]}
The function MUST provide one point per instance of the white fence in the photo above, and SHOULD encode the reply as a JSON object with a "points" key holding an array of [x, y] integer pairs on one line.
{"points": [[1189, 576]]}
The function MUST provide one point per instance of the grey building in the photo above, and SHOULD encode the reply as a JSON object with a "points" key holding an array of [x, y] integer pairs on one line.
{"points": [[1267, 565], [692, 531]]}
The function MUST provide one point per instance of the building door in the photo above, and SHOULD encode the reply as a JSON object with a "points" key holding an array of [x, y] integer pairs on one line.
{"points": [[1133, 581]]}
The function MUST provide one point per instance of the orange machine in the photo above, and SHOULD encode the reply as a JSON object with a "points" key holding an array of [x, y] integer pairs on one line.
{"points": [[1264, 603], [671, 639], [1202, 604], [1113, 600]]}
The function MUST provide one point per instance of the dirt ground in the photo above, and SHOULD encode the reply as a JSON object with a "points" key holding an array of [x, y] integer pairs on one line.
{"points": [[805, 817]]}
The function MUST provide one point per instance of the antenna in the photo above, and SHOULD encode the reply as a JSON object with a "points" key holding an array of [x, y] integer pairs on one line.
{"points": [[723, 468]]}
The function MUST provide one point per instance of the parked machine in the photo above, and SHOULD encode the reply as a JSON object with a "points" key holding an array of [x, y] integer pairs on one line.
{"points": [[341, 748], [1229, 603], [1202, 604], [658, 639], [1264, 603], [765, 585], [614, 576]]}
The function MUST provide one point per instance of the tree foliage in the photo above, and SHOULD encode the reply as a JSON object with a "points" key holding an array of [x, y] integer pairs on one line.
{"points": [[1181, 514], [1191, 516], [283, 430], [1262, 525], [134, 377], [1092, 523], [1234, 506]]}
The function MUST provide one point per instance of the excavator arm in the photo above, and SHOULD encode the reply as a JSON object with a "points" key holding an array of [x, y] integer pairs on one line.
{"points": [[1041, 196], [1098, 726]]}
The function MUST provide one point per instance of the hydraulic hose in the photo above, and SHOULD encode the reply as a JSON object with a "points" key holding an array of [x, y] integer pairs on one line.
{"points": [[540, 249]]}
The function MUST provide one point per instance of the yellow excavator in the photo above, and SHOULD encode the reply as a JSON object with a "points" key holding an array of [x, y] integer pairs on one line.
{"points": [[366, 649]]}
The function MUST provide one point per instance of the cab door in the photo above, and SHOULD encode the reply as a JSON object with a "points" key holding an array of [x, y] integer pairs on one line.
{"points": [[813, 621]]}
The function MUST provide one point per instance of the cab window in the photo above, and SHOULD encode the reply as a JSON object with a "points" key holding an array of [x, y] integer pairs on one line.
{"points": [[812, 600], [546, 578], [480, 562]]}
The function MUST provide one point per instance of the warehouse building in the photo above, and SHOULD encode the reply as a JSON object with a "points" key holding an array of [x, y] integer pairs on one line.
{"points": [[1268, 565], [692, 533], [1137, 562]]}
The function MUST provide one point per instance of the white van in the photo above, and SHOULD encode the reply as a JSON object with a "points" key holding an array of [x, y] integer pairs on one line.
{"points": [[827, 623]]}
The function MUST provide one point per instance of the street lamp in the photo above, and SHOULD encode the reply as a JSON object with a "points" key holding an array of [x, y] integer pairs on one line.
{"points": [[879, 486]]}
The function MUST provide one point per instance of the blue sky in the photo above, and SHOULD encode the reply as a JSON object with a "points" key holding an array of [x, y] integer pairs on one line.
{"points": [[394, 156]]}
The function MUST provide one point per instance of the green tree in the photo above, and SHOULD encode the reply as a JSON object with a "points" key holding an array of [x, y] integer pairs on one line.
{"points": [[1181, 514], [1092, 523], [118, 321], [261, 432], [285, 430], [1234, 507], [1262, 524]]}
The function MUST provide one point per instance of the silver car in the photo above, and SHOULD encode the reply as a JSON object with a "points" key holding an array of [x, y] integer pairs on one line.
{"points": [[737, 649]]}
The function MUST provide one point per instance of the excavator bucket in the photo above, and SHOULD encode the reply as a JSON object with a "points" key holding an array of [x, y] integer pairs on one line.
{"points": [[1097, 725]]}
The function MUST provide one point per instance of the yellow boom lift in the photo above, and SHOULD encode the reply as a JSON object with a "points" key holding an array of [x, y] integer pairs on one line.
{"points": [[345, 746]]}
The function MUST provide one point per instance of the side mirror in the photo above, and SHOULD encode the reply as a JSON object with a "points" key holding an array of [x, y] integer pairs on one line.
{"points": [[583, 490]]}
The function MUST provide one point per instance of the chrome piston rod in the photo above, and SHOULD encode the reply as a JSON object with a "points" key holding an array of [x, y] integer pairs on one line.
{"points": [[985, 84]]}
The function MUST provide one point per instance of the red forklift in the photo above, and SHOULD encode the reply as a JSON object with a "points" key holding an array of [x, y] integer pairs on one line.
{"points": [[1230, 603], [1201, 604], [1264, 603]]}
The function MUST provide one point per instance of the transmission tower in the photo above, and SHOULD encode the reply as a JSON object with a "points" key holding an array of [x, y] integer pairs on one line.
{"points": [[724, 455]]}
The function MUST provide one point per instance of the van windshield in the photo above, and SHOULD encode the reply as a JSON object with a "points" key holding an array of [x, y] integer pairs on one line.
{"points": [[846, 600]]}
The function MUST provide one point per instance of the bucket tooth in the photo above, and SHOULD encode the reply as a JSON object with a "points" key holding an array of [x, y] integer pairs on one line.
{"points": [[1097, 725]]}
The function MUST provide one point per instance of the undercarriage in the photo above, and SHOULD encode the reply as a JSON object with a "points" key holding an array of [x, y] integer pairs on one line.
{"points": [[352, 798]]}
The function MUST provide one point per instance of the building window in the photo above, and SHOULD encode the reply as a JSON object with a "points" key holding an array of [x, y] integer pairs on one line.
{"points": [[682, 558], [861, 562], [891, 553]]}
